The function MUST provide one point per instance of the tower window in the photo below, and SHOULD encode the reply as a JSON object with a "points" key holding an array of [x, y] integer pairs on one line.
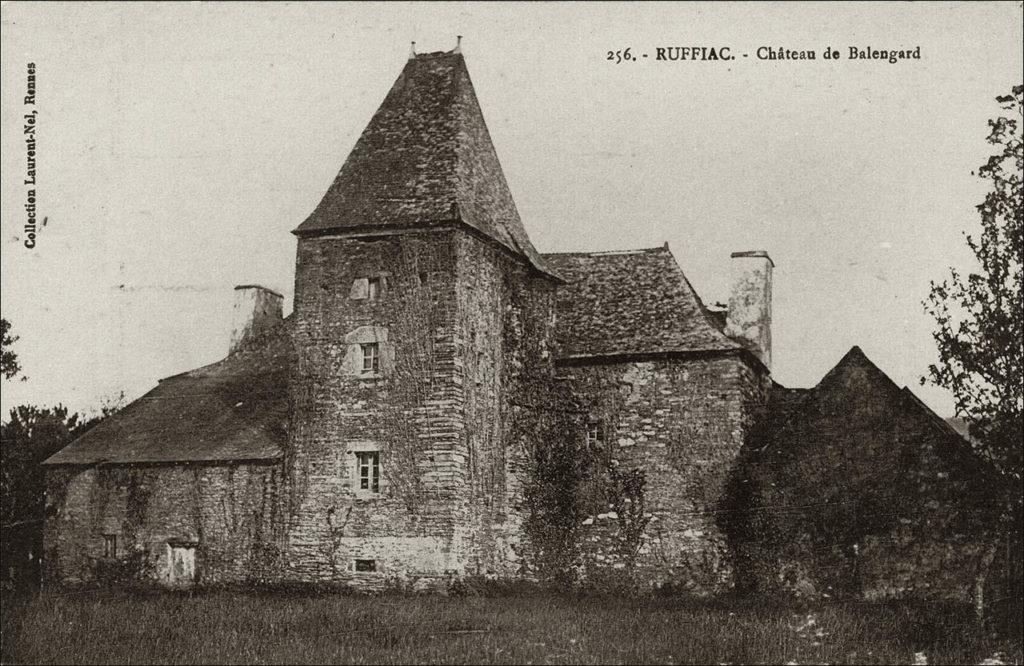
{"points": [[371, 357], [374, 288], [109, 545], [595, 436], [368, 464], [366, 565]]}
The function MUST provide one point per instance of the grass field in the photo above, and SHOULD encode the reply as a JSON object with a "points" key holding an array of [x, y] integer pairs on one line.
{"points": [[232, 627]]}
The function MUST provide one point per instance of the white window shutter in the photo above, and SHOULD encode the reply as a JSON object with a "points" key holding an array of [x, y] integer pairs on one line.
{"points": [[360, 289]]}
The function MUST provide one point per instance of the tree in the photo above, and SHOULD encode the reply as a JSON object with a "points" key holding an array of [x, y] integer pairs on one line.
{"points": [[30, 436], [980, 339], [979, 316], [8, 359]]}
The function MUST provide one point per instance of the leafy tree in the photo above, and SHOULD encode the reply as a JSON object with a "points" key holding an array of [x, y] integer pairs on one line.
{"points": [[980, 335], [980, 315], [30, 436], [8, 359]]}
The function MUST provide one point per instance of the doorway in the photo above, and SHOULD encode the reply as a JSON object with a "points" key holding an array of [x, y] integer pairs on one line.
{"points": [[181, 564]]}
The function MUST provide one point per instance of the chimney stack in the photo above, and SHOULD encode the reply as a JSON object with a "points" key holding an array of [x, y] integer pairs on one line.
{"points": [[749, 319], [256, 309]]}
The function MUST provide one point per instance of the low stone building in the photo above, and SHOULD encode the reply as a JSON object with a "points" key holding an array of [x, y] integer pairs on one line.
{"points": [[856, 487], [193, 465], [425, 412]]}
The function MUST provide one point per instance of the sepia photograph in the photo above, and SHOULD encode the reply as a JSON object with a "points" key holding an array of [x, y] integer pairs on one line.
{"points": [[525, 333]]}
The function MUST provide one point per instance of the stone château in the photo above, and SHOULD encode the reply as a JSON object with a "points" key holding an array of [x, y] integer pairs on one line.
{"points": [[392, 429]]}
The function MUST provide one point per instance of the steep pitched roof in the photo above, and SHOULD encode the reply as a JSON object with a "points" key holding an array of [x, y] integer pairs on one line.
{"points": [[786, 404], [235, 409], [940, 424], [856, 361], [426, 158], [630, 302]]}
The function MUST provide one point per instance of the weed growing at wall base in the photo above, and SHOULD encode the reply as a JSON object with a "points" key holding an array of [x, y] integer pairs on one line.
{"points": [[310, 627]]}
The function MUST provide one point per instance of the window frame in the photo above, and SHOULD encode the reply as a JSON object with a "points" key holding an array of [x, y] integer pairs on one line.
{"points": [[110, 546], [374, 288], [370, 462], [596, 440], [370, 351]]}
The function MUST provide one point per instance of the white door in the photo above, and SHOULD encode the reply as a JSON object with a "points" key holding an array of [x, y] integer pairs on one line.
{"points": [[182, 565]]}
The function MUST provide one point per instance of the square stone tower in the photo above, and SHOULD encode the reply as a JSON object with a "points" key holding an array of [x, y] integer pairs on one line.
{"points": [[421, 310]]}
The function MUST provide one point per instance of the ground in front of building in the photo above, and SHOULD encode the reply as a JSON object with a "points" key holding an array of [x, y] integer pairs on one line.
{"points": [[231, 627]]}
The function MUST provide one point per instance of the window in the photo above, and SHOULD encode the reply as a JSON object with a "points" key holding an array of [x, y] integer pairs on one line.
{"points": [[368, 463], [109, 545], [595, 436], [368, 288], [374, 288], [366, 565], [424, 277], [371, 357]]}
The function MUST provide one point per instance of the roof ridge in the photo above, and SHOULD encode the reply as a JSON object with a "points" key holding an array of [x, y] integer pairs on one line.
{"points": [[596, 253], [461, 161], [435, 54]]}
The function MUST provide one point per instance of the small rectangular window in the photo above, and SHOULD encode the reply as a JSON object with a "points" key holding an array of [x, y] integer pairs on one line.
{"points": [[595, 436], [371, 357], [374, 288], [359, 289], [109, 545], [366, 565], [369, 470]]}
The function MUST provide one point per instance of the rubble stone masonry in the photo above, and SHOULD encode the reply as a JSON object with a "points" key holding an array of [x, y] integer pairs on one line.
{"points": [[456, 322], [861, 490], [117, 522], [683, 422]]}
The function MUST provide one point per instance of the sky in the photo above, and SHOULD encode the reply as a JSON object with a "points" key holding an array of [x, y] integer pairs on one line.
{"points": [[178, 145]]}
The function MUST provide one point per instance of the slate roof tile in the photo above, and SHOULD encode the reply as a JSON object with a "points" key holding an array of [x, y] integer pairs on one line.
{"points": [[425, 159], [235, 409], [630, 302]]}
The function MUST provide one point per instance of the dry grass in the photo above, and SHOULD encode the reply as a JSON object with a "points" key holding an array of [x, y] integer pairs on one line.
{"points": [[233, 627]]}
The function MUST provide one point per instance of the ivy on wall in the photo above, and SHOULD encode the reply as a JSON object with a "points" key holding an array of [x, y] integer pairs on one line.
{"points": [[627, 498]]}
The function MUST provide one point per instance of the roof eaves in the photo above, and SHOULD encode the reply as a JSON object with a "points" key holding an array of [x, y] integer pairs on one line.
{"points": [[253, 459], [626, 355], [375, 231]]}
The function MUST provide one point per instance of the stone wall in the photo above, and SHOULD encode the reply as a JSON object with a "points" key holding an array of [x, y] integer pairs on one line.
{"points": [[116, 523], [506, 323], [683, 422], [862, 491], [456, 319]]}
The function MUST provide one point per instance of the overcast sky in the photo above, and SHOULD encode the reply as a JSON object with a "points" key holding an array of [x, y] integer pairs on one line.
{"points": [[178, 146]]}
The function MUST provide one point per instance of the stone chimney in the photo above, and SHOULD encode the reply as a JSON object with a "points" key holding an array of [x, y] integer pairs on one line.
{"points": [[749, 319], [256, 309]]}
